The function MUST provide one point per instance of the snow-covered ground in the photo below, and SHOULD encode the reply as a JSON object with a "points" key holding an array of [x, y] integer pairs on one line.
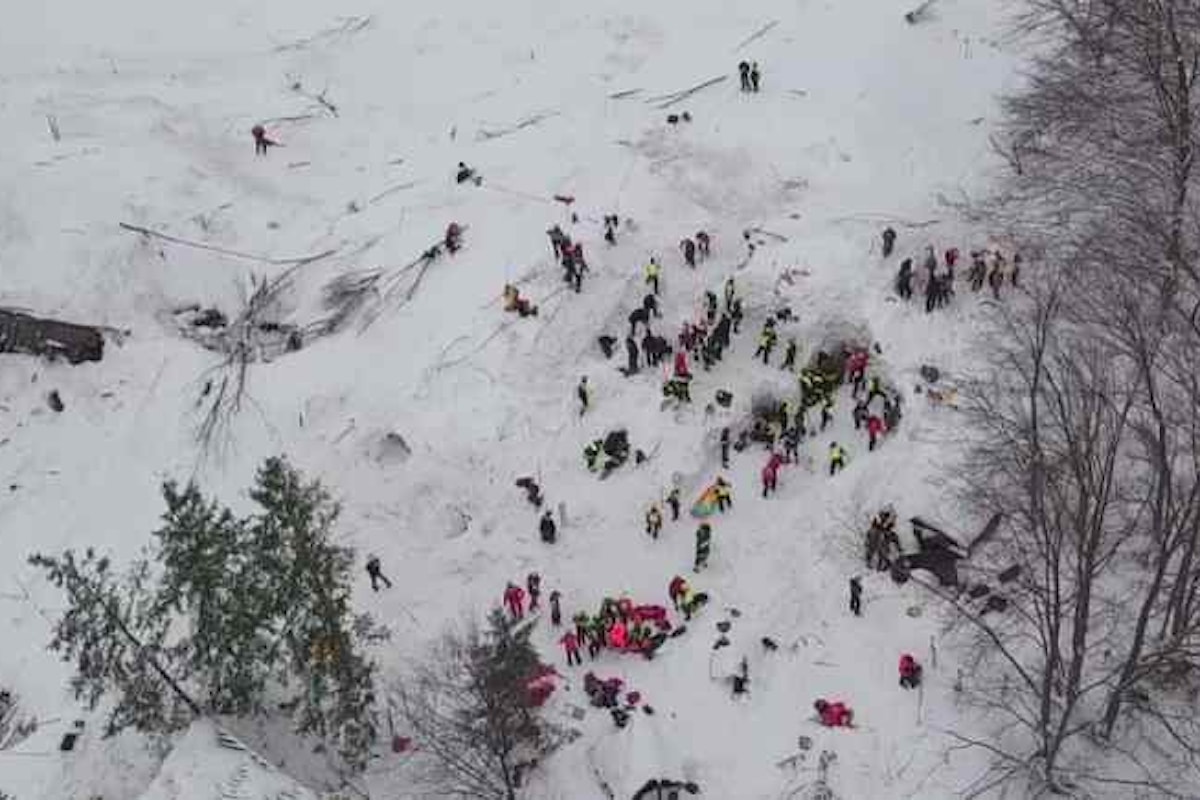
{"points": [[862, 120]]}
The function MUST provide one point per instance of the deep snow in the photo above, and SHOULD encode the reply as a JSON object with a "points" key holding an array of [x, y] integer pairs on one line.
{"points": [[862, 120]]}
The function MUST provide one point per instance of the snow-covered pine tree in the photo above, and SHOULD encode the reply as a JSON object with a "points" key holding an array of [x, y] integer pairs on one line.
{"points": [[209, 579], [306, 579], [116, 642], [245, 615]]}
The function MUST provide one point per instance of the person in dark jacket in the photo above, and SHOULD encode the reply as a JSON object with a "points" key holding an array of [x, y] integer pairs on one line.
{"points": [[547, 528], [689, 252], [261, 140], [639, 315], [650, 305], [904, 279], [856, 596], [375, 573], [631, 349], [889, 241], [673, 503]]}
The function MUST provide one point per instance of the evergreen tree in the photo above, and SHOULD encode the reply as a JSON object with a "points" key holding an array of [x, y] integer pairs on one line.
{"points": [[245, 615]]}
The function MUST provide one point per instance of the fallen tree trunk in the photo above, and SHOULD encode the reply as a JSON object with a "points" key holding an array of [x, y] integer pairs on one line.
{"points": [[23, 333], [668, 100], [166, 237]]}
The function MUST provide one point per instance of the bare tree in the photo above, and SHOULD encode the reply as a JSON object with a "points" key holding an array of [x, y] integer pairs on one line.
{"points": [[1091, 417], [469, 709]]}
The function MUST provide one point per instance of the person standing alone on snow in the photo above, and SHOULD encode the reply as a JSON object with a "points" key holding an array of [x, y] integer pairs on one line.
{"points": [[261, 141], [673, 502], [547, 528], [889, 241], [581, 391], [654, 522], [375, 573], [856, 596]]}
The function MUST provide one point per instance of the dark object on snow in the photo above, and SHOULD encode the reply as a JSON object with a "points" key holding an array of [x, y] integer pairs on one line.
{"points": [[995, 603], [724, 398], [665, 789], [989, 530], [21, 333], [930, 373], [675, 119], [71, 737], [54, 401], [978, 590], [210, 318], [919, 14], [616, 445], [930, 536], [939, 552], [769, 644], [533, 492], [1010, 574], [466, 174], [723, 626], [607, 343]]}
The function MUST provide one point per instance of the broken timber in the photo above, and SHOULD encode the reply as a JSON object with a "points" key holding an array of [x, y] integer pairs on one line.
{"points": [[166, 237], [761, 32], [670, 99], [22, 333]]}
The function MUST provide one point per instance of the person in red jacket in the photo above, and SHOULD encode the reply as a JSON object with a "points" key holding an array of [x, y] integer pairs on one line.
{"points": [[570, 644], [453, 238], [681, 366], [676, 590], [835, 714], [514, 598], [910, 672], [856, 370], [770, 474], [874, 430]]}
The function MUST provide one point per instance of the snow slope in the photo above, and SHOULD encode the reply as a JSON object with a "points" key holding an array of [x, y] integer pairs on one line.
{"points": [[862, 120]]}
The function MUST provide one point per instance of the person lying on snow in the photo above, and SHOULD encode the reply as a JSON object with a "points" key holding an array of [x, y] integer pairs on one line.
{"points": [[835, 714]]}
